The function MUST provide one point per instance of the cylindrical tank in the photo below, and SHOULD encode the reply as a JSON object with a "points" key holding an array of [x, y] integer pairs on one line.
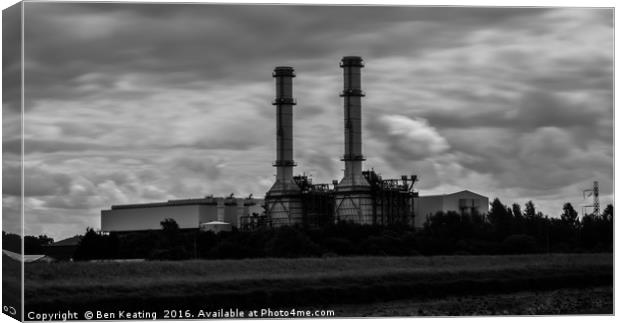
{"points": [[216, 226]]}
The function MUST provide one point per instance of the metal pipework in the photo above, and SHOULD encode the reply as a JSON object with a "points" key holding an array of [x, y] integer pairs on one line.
{"points": [[284, 103]]}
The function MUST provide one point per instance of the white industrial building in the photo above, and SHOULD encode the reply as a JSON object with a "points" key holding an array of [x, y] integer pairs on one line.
{"points": [[462, 202], [188, 213]]}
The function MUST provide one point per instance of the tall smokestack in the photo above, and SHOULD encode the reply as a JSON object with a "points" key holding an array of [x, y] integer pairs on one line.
{"points": [[284, 103], [354, 202], [352, 94], [282, 201]]}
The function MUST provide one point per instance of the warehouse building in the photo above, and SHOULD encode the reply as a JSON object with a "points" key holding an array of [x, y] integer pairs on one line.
{"points": [[187, 213], [462, 202]]}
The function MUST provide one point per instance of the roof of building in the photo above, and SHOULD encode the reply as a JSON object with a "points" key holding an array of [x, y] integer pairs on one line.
{"points": [[73, 241], [455, 193], [466, 191], [197, 201]]}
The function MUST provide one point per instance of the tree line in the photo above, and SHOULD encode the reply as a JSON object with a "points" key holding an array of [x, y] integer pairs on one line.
{"points": [[33, 245], [509, 229], [504, 230]]}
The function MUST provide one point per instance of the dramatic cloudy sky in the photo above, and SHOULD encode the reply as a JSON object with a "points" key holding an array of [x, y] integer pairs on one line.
{"points": [[130, 103]]}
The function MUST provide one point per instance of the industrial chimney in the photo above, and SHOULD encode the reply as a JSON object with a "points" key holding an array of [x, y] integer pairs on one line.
{"points": [[283, 201], [353, 199]]}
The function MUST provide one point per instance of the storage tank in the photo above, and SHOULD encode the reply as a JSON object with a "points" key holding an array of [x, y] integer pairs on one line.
{"points": [[216, 226]]}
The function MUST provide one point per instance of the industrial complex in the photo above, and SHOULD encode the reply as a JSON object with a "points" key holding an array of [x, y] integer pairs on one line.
{"points": [[188, 214], [361, 196]]}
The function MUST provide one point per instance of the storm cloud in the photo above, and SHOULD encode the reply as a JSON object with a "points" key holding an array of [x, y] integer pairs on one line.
{"points": [[130, 102]]}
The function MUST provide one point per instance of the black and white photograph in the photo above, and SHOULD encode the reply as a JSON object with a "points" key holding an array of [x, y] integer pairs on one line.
{"points": [[204, 160]]}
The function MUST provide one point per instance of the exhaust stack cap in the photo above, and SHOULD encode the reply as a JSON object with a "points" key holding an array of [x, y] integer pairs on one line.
{"points": [[352, 61], [283, 71]]}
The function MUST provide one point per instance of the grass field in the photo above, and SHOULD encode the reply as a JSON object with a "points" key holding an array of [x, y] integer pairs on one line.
{"points": [[593, 300], [11, 286], [307, 281]]}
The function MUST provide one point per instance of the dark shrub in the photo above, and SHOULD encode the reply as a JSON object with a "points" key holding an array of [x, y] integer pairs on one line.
{"points": [[408, 243], [175, 253], [339, 246], [519, 243], [11, 242], [385, 244], [36, 245], [291, 243], [179, 253], [205, 242], [158, 254], [230, 249], [92, 246], [561, 247], [478, 247], [602, 247], [462, 247], [374, 246], [433, 246]]}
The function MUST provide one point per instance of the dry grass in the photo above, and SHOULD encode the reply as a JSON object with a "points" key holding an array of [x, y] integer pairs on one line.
{"points": [[84, 274], [11, 285], [596, 300], [305, 281]]}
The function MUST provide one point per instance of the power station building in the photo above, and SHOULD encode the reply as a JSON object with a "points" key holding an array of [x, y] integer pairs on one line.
{"points": [[187, 213], [362, 197], [465, 202]]}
